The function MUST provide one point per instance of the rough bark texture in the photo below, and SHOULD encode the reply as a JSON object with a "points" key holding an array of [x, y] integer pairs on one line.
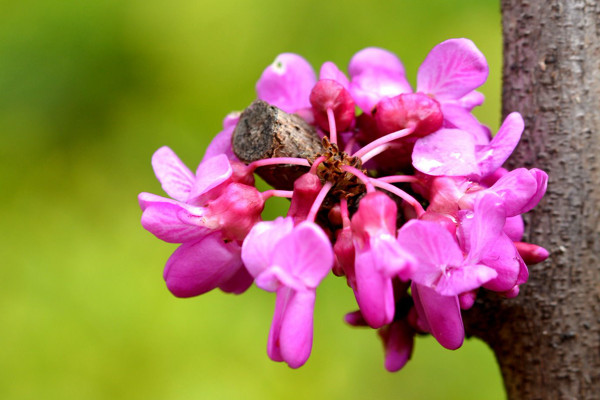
{"points": [[547, 340], [265, 131]]}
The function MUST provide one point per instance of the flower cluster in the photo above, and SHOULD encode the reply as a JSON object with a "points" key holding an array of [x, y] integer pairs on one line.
{"points": [[408, 201]]}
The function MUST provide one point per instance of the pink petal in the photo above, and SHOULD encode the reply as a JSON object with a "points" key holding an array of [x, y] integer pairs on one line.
{"points": [[442, 314], [374, 291], [210, 174], [175, 177], [221, 144], [164, 220], [398, 340], [452, 69], [376, 73], [471, 100], [296, 335], [238, 283], [486, 226], [429, 243], [504, 258], [390, 258], [491, 157], [257, 249], [273, 343], [516, 189], [371, 86], [287, 83], [374, 58], [541, 179], [464, 279], [455, 116], [197, 267], [305, 253], [330, 71], [514, 228], [448, 152]]}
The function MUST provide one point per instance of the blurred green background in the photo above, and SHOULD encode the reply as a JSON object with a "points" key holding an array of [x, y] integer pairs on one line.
{"points": [[88, 91]]}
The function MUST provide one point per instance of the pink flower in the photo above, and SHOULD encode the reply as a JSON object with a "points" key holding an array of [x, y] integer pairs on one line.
{"points": [[287, 83], [378, 258], [210, 214], [290, 261], [454, 152]]}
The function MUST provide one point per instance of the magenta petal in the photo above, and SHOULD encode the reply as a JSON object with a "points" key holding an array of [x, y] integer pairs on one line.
{"points": [[429, 243], [376, 73], [491, 157], [221, 144], [471, 100], [506, 261], [305, 253], [452, 69], [488, 221], [374, 291], [164, 221], [541, 179], [210, 174], [463, 279], [371, 86], [273, 343], [257, 249], [516, 188], [458, 117], [390, 258], [175, 177], [238, 283], [296, 336], [398, 339], [197, 267], [374, 58], [287, 83], [330, 71], [442, 314], [514, 228], [448, 152]]}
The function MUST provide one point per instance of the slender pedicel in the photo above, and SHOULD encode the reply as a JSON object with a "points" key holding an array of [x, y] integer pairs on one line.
{"points": [[377, 150], [360, 175], [278, 160], [315, 165], [332, 129], [400, 193], [383, 140], [399, 179], [314, 209], [267, 194]]}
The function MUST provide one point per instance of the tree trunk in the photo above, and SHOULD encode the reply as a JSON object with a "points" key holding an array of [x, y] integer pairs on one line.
{"points": [[547, 340]]}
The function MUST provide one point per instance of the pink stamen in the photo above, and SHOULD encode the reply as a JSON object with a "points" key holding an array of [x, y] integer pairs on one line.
{"points": [[383, 140], [314, 209], [344, 212], [332, 129], [400, 193], [267, 194], [318, 160], [278, 160], [374, 152], [360, 175], [399, 179]]}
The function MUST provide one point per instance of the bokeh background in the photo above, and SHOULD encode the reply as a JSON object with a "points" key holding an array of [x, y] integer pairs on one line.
{"points": [[88, 91]]}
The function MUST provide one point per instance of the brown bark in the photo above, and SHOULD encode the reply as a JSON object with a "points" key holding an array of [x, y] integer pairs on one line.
{"points": [[547, 340]]}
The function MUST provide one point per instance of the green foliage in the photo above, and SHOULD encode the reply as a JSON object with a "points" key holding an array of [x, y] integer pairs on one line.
{"points": [[88, 90]]}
